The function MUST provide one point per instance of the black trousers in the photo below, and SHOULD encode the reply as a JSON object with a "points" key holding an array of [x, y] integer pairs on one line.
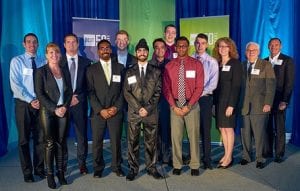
{"points": [[54, 128], [275, 134], [28, 126], [206, 103], [78, 117], [114, 126], [150, 127]]}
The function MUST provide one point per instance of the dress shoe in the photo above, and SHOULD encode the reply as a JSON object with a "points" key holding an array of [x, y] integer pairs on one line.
{"points": [[186, 159], [268, 155], [51, 181], [260, 165], [29, 178], [130, 176], [207, 166], [83, 170], [97, 174], [195, 172], [176, 171], [119, 172], [227, 166], [61, 178], [40, 174], [278, 159], [155, 174], [244, 162]]}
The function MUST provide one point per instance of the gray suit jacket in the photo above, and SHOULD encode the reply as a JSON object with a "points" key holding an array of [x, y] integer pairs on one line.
{"points": [[258, 91]]}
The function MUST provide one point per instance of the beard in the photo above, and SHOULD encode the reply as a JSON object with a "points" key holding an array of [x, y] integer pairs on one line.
{"points": [[142, 58]]}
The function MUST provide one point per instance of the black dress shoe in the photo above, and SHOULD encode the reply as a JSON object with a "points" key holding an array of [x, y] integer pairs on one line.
{"points": [[97, 174], [28, 178], [278, 159], [83, 170], [155, 174], [176, 171], [51, 181], [130, 176], [244, 162], [61, 178], [260, 165], [195, 172], [119, 172], [40, 174], [207, 166]]}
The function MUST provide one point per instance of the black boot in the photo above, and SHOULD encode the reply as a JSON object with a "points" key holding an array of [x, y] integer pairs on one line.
{"points": [[51, 181], [61, 178]]}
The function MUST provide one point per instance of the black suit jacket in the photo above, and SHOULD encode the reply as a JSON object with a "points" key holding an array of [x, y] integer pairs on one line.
{"points": [[133, 89], [101, 94], [47, 90], [284, 74], [81, 85]]}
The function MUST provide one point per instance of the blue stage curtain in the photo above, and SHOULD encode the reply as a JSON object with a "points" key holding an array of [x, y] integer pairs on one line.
{"points": [[63, 11], [17, 19], [3, 125]]}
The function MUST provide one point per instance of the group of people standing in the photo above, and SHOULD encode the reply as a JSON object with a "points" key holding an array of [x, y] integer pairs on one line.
{"points": [[160, 97]]}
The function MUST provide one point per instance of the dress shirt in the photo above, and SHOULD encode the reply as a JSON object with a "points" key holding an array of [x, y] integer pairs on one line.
{"points": [[21, 76], [122, 57], [211, 72], [169, 52], [103, 63], [274, 60], [194, 78], [60, 85], [76, 68], [145, 68]]}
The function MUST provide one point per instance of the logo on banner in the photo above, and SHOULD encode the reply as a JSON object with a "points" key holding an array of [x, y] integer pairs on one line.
{"points": [[212, 37], [93, 39]]}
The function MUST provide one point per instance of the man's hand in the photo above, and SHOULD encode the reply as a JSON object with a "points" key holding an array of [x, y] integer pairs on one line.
{"points": [[266, 108], [105, 114], [282, 106], [60, 111], [35, 104], [74, 100], [185, 110], [178, 111], [143, 112], [112, 111]]}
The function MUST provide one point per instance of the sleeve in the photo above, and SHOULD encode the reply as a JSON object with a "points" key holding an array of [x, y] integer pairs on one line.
{"points": [[213, 77], [237, 72], [199, 85], [167, 88], [288, 80]]}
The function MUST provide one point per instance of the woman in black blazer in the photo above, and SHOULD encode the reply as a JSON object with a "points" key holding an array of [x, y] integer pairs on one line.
{"points": [[226, 95], [54, 92]]}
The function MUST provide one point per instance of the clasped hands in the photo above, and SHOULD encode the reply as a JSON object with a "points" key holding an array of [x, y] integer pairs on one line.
{"points": [[60, 111], [109, 112], [181, 111]]}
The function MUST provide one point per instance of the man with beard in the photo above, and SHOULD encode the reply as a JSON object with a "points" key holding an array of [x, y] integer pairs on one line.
{"points": [[104, 81], [142, 87]]}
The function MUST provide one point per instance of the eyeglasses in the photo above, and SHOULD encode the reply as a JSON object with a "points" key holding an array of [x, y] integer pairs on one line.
{"points": [[182, 46], [251, 50], [223, 46]]}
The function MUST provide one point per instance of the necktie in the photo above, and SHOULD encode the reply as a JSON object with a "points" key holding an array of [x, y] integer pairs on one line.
{"points": [[142, 76], [181, 85], [106, 72], [33, 65], [249, 71], [72, 72]]}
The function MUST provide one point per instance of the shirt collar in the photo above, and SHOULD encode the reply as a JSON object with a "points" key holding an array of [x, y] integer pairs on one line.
{"points": [[274, 58]]}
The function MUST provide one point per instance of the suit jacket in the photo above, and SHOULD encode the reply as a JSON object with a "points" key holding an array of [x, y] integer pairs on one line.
{"points": [[81, 89], [130, 59], [102, 95], [47, 90], [149, 96], [284, 80], [258, 91]]}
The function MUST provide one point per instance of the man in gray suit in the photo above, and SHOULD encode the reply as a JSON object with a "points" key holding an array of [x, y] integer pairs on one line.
{"points": [[257, 97]]}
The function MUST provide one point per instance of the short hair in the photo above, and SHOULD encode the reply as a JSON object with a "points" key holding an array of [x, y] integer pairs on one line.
{"points": [[71, 35], [159, 40], [275, 38], [30, 34], [103, 41], [252, 43], [122, 32], [233, 53], [54, 46], [203, 36], [169, 25], [182, 38]]}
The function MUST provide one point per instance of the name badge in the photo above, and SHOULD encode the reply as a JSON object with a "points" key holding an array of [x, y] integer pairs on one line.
{"points": [[131, 80], [190, 74], [27, 71], [116, 78], [255, 71], [175, 55], [226, 68], [278, 62]]}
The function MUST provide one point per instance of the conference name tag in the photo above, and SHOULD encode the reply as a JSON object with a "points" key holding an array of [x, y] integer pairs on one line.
{"points": [[255, 71], [278, 62], [131, 80], [116, 78], [27, 71], [175, 54], [226, 68], [190, 74]]}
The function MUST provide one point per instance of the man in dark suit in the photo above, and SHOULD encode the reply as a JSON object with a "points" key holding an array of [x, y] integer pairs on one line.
{"points": [[77, 65], [104, 80], [284, 71], [142, 87], [258, 89]]}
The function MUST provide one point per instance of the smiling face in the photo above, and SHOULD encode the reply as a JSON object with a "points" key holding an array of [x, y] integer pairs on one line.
{"points": [[224, 49], [122, 41], [31, 45], [182, 48], [201, 45], [252, 52], [71, 45], [142, 54], [159, 50], [104, 51], [170, 35], [53, 54], [275, 47]]}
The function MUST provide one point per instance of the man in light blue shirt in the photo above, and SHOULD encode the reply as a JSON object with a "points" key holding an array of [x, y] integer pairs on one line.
{"points": [[211, 76], [22, 70]]}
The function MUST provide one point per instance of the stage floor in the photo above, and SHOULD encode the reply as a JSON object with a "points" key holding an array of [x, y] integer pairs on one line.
{"points": [[283, 177]]}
